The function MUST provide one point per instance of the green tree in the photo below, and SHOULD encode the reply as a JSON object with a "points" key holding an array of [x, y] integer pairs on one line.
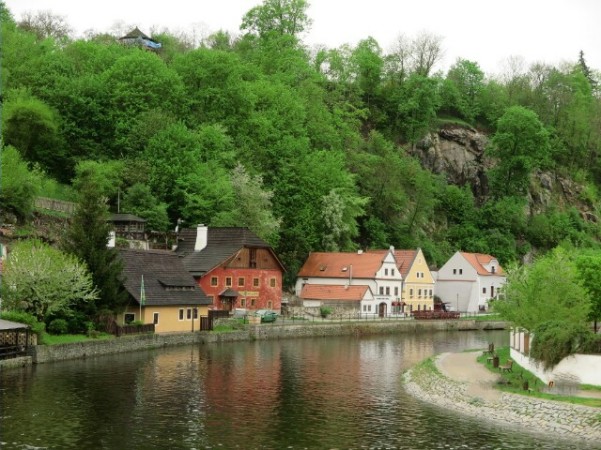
{"points": [[32, 127], [468, 80], [87, 238], [20, 185], [277, 17], [252, 208], [548, 299], [138, 200], [43, 281], [520, 144], [589, 272]]}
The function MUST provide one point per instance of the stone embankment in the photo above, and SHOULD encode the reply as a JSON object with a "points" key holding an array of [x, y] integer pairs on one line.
{"points": [[45, 353], [463, 386]]}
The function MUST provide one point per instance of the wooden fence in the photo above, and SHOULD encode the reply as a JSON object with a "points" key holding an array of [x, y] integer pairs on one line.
{"points": [[121, 330]]}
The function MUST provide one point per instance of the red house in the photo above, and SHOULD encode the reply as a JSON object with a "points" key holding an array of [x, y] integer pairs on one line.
{"points": [[233, 266]]}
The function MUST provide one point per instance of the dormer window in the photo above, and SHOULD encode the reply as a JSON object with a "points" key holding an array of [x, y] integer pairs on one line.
{"points": [[344, 269], [322, 268]]}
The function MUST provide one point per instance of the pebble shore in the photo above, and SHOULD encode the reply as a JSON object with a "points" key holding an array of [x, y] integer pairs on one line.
{"points": [[530, 414]]}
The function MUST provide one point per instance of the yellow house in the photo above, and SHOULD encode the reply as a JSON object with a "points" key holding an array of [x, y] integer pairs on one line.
{"points": [[418, 282], [161, 291]]}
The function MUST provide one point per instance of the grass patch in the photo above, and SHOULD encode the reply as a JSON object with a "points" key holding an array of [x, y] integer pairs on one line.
{"points": [[54, 339], [513, 382], [425, 368]]}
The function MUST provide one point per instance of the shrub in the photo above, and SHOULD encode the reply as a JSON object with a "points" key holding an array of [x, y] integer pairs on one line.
{"points": [[554, 340], [325, 311], [58, 326]]}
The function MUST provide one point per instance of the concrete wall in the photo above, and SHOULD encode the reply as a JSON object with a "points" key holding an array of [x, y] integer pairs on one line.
{"points": [[575, 369], [44, 353]]}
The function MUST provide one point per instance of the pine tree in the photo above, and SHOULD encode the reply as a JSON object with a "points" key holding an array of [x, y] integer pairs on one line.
{"points": [[87, 238]]}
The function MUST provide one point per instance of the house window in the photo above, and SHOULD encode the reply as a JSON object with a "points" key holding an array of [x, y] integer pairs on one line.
{"points": [[381, 290], [272, 282], [188, 314], [155, 318], [255, 282], [419, 307], [492, 291], [410, 293], [181, 314], [492, 269], [252, 263], [196, 313], [241, 281], [484, 290], [269, 304], [419, 293], [369, 308], [385, 271], [454, 271], [387, 290], [243, 302], [213, 281], [392, 272], [396, 290], [228, 281], [460, 271], [252, 302], [430, 293], [129, 318]]}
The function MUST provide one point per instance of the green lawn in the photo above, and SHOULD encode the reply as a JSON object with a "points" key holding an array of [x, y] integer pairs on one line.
{"points": [[51, 339]]}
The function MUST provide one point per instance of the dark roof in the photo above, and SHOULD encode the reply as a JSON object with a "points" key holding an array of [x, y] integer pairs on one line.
{"points": [[134, 34], [9, 325], [222, 243], [125, 218], [229, 293], [166, 281]]}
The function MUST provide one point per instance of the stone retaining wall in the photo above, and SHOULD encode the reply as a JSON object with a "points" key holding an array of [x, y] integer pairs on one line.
{"points": [[48, 353], [530, 414]]}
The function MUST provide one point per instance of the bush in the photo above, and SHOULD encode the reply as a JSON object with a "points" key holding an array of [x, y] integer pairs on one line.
{"points": [[325, 311], [23, 317], [58, 326], [554, 340]]}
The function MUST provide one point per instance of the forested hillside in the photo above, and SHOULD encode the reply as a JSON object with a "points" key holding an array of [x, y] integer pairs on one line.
{"points": [[312, 149]]}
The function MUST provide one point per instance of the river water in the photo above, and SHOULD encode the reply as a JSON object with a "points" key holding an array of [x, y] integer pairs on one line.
{"points": [[313, 393]]}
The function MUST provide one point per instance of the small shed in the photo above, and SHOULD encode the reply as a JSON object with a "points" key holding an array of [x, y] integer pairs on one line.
{"points": [[136, 37], [14, 339]]}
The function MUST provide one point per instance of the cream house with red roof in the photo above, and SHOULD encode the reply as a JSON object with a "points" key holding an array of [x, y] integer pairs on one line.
{"points": [[468, 281], [377, 271]]}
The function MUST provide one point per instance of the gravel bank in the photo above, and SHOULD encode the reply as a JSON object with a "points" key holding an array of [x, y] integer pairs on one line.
{"points": [[465, 386]]}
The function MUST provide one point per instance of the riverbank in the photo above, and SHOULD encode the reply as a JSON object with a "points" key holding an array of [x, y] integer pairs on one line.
{"points": [[40, 354], [461, 384]]}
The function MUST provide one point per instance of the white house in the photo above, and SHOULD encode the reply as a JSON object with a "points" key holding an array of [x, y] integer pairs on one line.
{"points": [[468, 281], [378, 271]]}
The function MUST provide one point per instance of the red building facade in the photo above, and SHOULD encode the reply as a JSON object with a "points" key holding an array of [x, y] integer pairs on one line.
{"points": [[234, 267]]}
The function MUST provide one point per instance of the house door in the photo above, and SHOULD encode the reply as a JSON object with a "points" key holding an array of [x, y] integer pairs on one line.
{"points": [[382, 310]]}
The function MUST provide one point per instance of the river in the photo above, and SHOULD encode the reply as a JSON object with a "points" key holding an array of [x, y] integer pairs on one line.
{"points": [[312, 393]]}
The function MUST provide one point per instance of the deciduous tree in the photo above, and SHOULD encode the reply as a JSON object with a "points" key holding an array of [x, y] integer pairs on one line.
{"points": [[42, 281]]}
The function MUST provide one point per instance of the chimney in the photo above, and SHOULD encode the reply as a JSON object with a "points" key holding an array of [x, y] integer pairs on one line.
{"points": [[201, 237]]}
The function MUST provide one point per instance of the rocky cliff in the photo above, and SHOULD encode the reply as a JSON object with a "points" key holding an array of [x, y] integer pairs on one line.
{"points": [[458, 153]]}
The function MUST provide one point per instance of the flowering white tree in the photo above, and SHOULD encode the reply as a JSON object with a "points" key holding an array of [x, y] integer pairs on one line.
{"points": [[42, 280]]}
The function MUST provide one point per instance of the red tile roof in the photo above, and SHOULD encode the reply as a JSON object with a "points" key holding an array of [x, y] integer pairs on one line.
{"points": [[341, 265], [333, 292], [404, 259], [478, 260]]}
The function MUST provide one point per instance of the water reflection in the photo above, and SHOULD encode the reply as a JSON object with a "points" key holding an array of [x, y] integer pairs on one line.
{"points": [[307, 393]]}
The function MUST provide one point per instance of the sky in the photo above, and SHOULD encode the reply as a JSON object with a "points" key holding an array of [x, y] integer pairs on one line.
{"points": [[483, 31]]}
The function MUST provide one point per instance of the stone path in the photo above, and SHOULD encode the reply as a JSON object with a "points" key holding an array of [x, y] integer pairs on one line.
{"points": [[467, 387]]}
